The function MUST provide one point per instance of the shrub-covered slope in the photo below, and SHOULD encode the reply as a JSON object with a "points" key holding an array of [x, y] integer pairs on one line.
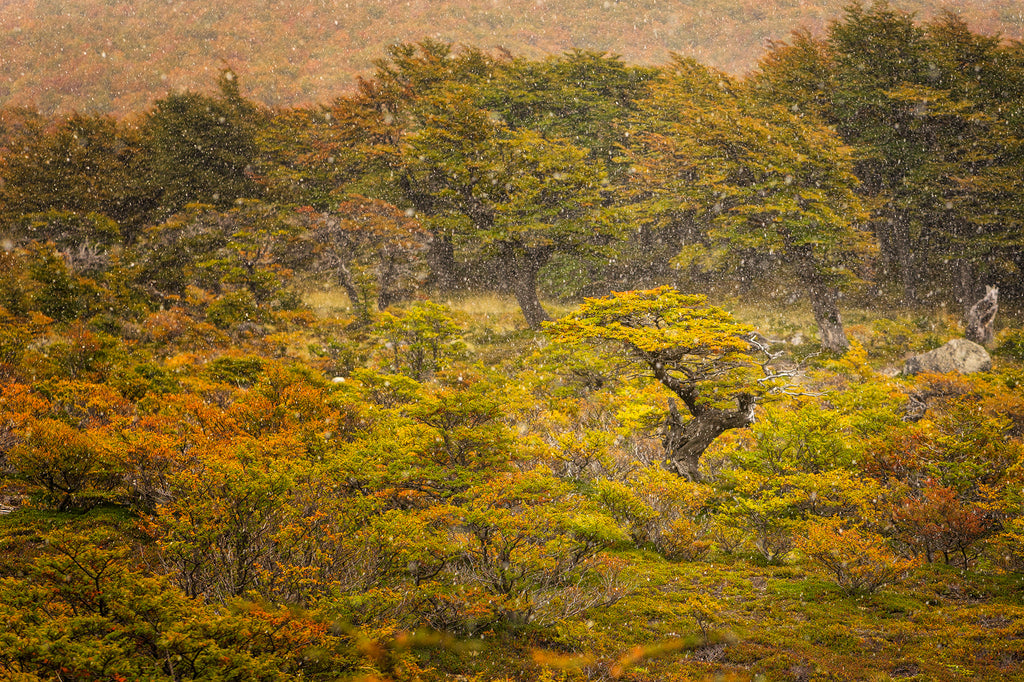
{"points": [[98, 56]]}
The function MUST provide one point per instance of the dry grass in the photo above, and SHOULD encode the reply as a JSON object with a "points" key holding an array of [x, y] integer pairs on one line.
{"points": [[327, 302], [497, 312], [484, 306]]}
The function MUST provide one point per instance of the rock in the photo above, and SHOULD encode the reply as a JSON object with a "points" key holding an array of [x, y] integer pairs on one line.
{"points": [[958, 355]]}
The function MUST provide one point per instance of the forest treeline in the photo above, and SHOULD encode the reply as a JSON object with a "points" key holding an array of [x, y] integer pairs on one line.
{"points": [[885, 155], [203, 479]]}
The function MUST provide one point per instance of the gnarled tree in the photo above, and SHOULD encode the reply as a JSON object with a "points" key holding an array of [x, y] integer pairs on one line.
{"points": [[710, 362]]}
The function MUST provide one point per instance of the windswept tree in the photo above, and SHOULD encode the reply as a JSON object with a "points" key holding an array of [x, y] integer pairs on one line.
{"points": [[552, 204], [356, 145], [508, 194], [763, 180], [710, 362], [201, 149], [370, 246], [453, 136], [934, 114]]}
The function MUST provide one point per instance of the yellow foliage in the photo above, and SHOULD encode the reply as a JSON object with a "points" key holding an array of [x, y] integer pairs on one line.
{"points": [[854, 361]]}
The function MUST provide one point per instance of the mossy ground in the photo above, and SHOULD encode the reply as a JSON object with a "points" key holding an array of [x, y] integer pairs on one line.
{"points": [[784, 622]]}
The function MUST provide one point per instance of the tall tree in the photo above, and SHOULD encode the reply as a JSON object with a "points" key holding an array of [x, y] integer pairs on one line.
{"points": [[932, 112], [966, 200], [80, 164], [446, 133], [761, 179], [552, 205], [201, 149], [584, 98], [355, 145], [514, 194]]}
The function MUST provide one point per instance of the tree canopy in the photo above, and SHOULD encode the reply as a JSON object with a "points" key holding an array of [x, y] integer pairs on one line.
{"points": [[695, 350]]}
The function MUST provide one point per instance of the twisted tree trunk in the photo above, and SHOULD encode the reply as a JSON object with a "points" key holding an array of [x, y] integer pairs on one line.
{"points": [[686, 441]]}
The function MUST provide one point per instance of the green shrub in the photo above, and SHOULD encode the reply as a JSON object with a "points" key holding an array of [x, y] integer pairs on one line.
{"points": [[1011, 345], [237, 371], [288, 299], [58, 295], [233, 308], [421, 340], [133, 382]]}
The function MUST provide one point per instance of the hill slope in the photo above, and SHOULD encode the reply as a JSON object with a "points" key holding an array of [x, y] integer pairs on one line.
{"points": [[116, 56]]}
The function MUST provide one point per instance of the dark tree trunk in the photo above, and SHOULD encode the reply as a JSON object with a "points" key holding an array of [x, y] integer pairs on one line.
{"points": [[966, 289], [526, 263], [349, 285], [386, 294], [441, 259], [824, 303], [908, 276], [897, 252], [686, 441], [824, 298]]}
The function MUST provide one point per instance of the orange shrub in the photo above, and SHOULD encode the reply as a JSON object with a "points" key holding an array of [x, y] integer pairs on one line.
{"points": [[860, 561]]}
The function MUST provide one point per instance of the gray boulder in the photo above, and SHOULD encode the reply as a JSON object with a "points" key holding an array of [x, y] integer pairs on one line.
{"points": [[958, 355]]}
